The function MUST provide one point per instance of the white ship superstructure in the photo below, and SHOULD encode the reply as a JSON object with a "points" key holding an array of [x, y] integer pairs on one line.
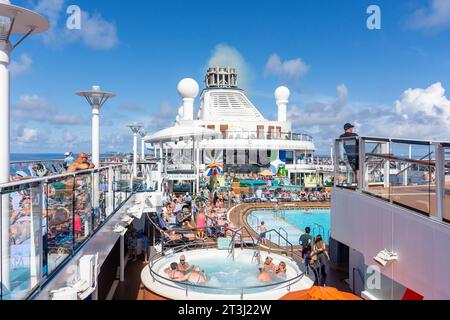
{"points": [[246, 139]]}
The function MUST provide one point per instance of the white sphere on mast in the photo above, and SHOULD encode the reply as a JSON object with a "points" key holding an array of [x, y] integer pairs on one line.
{"points": [[282, 95], [188, 89]]}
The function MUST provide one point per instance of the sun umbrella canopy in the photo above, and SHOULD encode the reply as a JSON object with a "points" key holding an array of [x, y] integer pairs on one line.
{"points": [[267, 173], [253, 183], [320, 293]]}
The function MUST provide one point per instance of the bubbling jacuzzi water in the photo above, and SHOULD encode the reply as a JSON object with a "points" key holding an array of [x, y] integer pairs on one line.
{"points": [[227, 279], [240, 272], [226, 275]]}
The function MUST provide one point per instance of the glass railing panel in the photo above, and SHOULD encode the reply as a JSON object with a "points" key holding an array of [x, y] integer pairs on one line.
{"points": [[21, 242], [117, 191], [446, 214], [83, 217], [33, 169], [99, 197], [376, 168], [59, 200], [347, 164], [412, 180]]}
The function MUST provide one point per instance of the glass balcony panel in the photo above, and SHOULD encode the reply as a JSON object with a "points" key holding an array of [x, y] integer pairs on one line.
{"points": [[412, 179], [83, 208], [59, 196], [347, 164], [21, 269], [376, 169], [100, 197]]}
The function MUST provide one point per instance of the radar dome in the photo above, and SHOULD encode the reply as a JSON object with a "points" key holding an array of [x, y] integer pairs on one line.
{"points": [[188, 88], [282, 94]]}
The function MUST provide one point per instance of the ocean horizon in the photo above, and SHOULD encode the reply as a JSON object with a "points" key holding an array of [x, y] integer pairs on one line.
{"points": [[41, 156]]}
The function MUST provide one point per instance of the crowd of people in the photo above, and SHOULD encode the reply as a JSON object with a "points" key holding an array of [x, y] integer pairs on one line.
{"points": [[304, 195], [204, 217]]}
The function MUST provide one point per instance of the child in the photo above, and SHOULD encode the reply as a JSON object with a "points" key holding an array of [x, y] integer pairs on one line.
{"points": [[262, 233]]}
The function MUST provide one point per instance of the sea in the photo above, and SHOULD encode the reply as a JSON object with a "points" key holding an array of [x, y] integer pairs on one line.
{"points": [[14, 157], [35, 156]]}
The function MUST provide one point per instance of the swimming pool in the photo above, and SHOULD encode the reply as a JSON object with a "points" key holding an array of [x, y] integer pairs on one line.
{"points": [[292, 222], [227, 279]]}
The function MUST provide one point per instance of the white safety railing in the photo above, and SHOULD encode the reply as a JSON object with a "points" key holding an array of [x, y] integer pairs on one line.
{"points": [[410, 173]]}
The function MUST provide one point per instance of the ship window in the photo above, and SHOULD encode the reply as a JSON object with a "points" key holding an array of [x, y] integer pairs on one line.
{"points": [[289, 157]]}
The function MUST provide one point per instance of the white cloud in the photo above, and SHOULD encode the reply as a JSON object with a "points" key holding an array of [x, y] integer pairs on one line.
{"points": [[27, 135], [36, 108], [288, 70], [95, 32], [417, 114], [435, 16], [21, 66], [227, 56], [430, 102]]}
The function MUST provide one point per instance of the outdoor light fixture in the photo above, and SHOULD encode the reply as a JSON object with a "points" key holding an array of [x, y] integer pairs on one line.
{"points": [[385, 256], [96, 99], [14, 20], [135, 128]]}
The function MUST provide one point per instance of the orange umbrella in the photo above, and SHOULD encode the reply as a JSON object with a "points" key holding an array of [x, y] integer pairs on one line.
{"points": [[320, 293], [266, 173]]}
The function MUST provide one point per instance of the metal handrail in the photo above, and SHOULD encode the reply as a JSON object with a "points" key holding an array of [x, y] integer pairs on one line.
{"points": [[55, 176], [280, 235], [285, 232]]}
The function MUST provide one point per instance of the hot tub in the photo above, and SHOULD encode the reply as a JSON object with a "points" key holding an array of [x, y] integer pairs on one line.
{"points": [[228, 278]]}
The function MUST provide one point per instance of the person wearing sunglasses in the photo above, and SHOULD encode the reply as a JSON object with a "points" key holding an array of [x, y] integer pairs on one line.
{"points": [[81, 163], [183, 266]]}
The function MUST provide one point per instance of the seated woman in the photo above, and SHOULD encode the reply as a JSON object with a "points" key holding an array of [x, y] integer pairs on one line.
{"points": [[280, 271], [269, 265]]}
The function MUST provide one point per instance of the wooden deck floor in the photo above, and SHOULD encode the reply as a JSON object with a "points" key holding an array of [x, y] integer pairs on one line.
{"points": [[421, 198]]}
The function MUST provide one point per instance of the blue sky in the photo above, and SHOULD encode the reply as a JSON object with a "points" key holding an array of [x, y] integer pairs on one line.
{"points": [[388, 82]]}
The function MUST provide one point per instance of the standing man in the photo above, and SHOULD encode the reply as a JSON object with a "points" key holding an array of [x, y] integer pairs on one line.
{"points": [[305, 242], [68, 160], [351, 147]]}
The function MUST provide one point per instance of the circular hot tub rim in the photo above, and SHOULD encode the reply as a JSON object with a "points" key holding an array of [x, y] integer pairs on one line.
{"points": [[185, 285]]}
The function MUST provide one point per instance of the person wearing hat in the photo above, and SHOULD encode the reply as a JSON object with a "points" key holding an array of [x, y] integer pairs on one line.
{"points": [[351, 147], [348, 128], [68, 160]]}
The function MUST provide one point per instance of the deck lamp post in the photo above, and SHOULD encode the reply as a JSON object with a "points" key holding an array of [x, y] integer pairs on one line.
{"points": [[14, 20], [96, 99], [143, 133], [135, 128]]}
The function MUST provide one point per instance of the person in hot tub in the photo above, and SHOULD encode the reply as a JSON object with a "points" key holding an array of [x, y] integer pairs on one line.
{"points": [[183, 266], [264, 275], [174, 273], [280, 271], [196, 275]]}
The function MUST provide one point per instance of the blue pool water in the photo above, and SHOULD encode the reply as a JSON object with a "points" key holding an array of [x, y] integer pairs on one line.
{"points": [[294, 222]]}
